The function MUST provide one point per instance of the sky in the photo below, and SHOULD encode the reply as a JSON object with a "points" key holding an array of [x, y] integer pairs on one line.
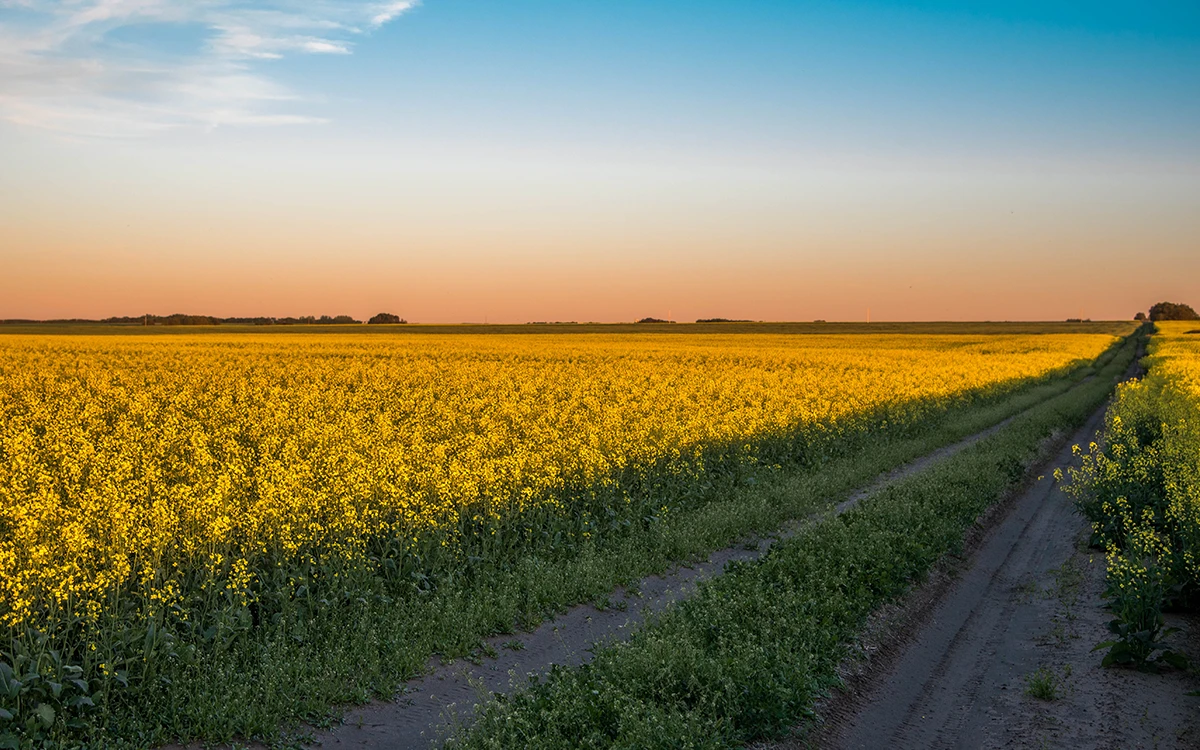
{"points": [[517, 160]]}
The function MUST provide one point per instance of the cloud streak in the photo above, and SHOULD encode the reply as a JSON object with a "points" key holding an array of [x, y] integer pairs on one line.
{"points": [[128, 68], [388, 11]]}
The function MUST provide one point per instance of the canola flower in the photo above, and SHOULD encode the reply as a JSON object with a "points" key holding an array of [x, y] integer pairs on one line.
{"points": [[138, 474], [1141, 490], [1176, 361]]}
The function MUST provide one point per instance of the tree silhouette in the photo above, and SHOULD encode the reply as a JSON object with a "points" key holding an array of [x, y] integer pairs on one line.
{"points": [[385, 319], [1172, 311]]}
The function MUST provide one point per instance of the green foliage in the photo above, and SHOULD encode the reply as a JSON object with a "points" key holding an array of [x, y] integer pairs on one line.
{"points": [[1042, 684], [1140, 488], [41, 698]]}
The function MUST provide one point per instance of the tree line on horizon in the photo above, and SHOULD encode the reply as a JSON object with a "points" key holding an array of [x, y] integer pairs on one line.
{"points": [[179, 319], [1158, 311]]}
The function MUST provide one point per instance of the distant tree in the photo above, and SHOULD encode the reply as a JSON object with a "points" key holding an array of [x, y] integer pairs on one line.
{"points": [[652, 320], [1172, 311], [385, 319], [178, 319], [1140, 317]]}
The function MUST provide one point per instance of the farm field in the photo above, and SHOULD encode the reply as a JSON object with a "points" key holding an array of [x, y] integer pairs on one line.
{"points": [[385, 374], [317, 514]]}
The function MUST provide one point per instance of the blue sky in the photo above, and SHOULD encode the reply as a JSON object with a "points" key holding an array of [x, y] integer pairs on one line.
{"points": [[1023, 75], [570, 133]]}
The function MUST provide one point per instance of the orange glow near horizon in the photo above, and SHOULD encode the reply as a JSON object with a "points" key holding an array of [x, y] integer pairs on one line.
{"points": [[452, 162], [581, 245]]}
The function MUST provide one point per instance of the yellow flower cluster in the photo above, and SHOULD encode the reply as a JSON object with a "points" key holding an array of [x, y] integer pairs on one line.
{"points": [[147, 465], [1141, 491], [1175, 374]]}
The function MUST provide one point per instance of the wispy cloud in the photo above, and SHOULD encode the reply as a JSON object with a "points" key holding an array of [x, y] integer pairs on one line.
{"points": [[119, 68], [388, 11]]}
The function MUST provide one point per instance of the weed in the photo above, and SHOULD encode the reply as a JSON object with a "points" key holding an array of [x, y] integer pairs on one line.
{"points": [[1068, 582], [1025, 592], [1042, 684]]}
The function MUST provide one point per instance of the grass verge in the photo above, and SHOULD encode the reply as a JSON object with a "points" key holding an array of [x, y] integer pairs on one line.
{"points": [[749, 654]]}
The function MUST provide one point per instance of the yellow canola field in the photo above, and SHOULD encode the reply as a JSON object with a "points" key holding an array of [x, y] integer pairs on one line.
{"points": [[1174, 374], [146, 466], [1175, 349]]}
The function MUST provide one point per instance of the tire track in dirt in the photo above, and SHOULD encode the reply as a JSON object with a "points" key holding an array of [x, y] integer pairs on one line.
{"points": [[959, 680], [977, 641]]}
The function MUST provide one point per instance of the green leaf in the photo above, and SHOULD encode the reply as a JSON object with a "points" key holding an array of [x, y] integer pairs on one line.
{"points": [[45, 713], [5, 715], [1179, 661], [9, 742]]}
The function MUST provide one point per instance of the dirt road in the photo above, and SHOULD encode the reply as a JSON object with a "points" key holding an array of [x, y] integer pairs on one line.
{"points": [[952, 666]]}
